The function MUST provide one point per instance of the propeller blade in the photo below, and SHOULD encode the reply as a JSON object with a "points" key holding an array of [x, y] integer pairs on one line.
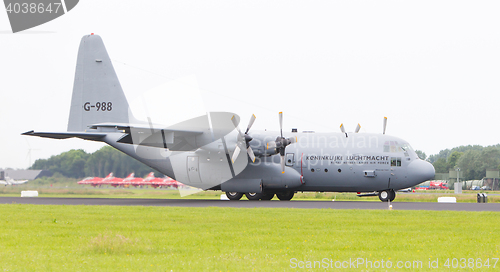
{"points": [[252, 119], [282, 160], [292, 139], [250, 153], [235, 153], [235, 123], [385, 125], [342, 128], [357, 128], [271, 145], [281, 123]]}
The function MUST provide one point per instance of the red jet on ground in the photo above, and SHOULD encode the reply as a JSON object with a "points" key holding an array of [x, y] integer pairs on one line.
{"points": [[94, 181], [112, 180], [161, 182], [132, 180]]}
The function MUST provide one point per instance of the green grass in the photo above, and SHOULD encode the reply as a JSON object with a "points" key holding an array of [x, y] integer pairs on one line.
{"points": [[104, 238]]}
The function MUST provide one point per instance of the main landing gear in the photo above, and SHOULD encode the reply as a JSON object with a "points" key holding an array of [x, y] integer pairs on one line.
{"points": [[387, 195], [283, 196], [234, 195]]}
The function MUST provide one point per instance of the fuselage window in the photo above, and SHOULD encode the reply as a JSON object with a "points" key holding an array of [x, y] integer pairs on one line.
{"points": [[395, 161]]}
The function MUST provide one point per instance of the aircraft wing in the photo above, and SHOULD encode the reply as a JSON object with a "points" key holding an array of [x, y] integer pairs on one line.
{"points": [[185, 136], [173, 139]]}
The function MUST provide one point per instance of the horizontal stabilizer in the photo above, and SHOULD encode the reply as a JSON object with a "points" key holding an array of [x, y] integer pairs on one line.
{"points": [[65, 135]]}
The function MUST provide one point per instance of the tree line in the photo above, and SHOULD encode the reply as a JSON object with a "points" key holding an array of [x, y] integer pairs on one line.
{"points": [[77, 163], [473, 160]]}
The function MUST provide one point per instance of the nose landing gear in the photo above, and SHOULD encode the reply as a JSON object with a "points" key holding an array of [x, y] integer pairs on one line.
{"points": [[387, 195]]}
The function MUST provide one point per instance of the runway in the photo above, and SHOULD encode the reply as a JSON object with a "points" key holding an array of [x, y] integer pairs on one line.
{"points": [[364, 205]]}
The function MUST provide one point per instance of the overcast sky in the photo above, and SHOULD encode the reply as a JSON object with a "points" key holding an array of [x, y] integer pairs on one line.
{"points": [[431, 67]]}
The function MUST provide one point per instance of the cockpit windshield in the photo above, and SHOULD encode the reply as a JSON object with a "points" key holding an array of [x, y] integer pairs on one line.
{"points": [[406, 147], [395, 147]]}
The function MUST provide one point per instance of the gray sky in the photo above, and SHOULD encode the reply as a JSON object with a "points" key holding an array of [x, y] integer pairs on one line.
{"points": [[431, 67]]}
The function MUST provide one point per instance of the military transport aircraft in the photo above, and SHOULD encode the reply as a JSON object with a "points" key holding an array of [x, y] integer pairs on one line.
{"points": [[210, 152]]}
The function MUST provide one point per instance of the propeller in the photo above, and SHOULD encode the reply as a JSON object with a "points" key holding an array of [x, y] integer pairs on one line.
{"points": [[385, 124], [281, 143], [342, 128], [358, 127], [242, 137]]}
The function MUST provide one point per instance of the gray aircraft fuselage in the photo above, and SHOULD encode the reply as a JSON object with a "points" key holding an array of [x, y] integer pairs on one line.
{"points": [[211, 153], [351, 162]]}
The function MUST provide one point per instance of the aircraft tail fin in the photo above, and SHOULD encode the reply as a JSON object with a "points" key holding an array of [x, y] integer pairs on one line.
{"points": [[97, 94]]}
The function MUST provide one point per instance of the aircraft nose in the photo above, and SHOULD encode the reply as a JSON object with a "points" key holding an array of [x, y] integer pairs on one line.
{"points": [[421, 171]]}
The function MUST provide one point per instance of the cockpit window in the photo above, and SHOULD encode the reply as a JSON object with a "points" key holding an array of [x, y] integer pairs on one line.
{"points": [[395, 147], [406, 147]]}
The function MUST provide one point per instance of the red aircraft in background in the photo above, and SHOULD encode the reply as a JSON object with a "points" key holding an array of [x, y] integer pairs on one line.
{"points": [[94, 181], [132, 180], [176, 184], [112, 180], [161, 182], [150, 180]]}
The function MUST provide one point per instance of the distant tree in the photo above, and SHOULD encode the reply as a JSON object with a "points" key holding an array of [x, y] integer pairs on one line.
{"points": [[79, 164], [421, 154], [443, 154], [107, 160], [490, 158], [441, 166], [69, 164], [470, 165], [453, 158]]}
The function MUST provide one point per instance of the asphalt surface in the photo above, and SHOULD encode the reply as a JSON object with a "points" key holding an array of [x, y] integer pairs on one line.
{"points": [[364, 205]]}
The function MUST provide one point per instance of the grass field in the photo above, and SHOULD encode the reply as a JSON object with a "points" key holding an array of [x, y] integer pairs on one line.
{"points": [[108, 238]]}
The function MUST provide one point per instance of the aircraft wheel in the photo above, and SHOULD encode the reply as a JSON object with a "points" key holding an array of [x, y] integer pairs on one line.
{"points": [[392, 195], [384, 196], [285, 196], [267, 196], [253, 196], [234, 195]]}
